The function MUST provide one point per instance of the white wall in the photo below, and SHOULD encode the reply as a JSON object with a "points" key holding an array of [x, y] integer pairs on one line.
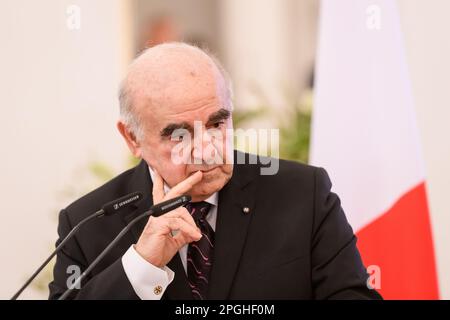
{"points": [[427, 37], [58, 107], [268, 47]]}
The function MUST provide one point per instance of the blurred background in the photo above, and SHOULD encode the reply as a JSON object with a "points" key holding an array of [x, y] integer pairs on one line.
{"points": [[61, 62]]}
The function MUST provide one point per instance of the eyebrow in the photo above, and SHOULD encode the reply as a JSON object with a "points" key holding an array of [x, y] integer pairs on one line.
{"points": [[170, 128], [220, 115]]}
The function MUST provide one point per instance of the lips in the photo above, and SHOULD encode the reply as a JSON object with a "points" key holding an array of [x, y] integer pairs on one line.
{"points": [[208, 170], [204, 170]]}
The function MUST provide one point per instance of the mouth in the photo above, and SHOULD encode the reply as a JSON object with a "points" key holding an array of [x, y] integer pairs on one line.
{"points": [[209, 170], [205, 170]]}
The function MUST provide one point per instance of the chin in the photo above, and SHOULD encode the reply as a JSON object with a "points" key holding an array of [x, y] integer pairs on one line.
{"points": [[208, 186]]}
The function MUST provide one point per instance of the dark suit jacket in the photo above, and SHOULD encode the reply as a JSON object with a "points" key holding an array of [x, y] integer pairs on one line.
{"points": [[295, 243]]}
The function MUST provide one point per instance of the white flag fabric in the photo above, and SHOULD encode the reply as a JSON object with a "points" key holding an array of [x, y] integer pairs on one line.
{"points": [[364, 133]]}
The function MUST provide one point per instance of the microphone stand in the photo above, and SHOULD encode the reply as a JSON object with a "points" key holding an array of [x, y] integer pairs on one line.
{"points": [[69, 236], [109, 208], [155, 210]]}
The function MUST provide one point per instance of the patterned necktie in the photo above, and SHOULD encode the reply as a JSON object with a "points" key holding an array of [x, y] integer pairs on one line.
{"points": [[200, 253]]}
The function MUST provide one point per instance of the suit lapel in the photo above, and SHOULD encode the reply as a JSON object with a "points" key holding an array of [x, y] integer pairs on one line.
{"points": [[231, 229]]}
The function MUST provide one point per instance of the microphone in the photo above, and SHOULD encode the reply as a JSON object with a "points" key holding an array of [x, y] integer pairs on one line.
{"points": [[156, 210], [107, 209], [112, 207]]}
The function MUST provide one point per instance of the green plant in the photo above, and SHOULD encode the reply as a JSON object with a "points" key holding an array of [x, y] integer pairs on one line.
{"points": [[296, 133], [294, 128], [98, 173]]}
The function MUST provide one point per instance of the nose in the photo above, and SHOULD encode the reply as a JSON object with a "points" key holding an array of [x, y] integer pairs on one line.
{"points": [[203, 150]]}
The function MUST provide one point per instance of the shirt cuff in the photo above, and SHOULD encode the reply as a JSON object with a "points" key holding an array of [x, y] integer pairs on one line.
{"points": [[148, 281]]}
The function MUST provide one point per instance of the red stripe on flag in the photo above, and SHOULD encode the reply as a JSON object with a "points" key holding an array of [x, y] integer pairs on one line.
{"points": [[401, 244]]}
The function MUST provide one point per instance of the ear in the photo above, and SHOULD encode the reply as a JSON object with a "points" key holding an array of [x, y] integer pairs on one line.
{"points": [[130, 139]]}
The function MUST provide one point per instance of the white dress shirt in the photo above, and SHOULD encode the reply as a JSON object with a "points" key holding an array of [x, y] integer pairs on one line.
{"points": [[148, 281]]}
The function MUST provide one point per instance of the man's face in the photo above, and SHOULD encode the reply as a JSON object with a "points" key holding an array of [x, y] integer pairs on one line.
{"points": [[183, 135]]}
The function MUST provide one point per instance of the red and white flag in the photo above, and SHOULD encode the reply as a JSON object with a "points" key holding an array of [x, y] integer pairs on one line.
{"points": [[365, 134]]}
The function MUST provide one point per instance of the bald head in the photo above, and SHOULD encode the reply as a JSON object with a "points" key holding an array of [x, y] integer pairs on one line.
{"points": [[176, 105], [167, 76]]}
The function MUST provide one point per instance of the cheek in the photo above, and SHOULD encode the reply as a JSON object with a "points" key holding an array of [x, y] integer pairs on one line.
{"points": [[156, 150], [158, 155], [172, 172]]}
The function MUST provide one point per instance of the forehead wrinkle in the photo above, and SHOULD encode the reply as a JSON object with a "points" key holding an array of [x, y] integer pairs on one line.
{"points": [[187, 117], [194, 106]]}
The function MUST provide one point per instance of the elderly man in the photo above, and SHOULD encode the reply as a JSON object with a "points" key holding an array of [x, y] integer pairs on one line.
{"points": [[245, 235]]}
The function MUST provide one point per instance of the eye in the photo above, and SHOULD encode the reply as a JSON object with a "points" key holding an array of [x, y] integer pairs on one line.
{"points": [[218, 124], [177, 137]]}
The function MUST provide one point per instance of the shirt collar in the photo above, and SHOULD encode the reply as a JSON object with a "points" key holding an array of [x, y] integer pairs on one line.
{"points": [[213, 199]]}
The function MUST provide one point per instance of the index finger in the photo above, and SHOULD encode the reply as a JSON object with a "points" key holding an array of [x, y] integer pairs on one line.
{"points": [[158, 188], [185, 185]]}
